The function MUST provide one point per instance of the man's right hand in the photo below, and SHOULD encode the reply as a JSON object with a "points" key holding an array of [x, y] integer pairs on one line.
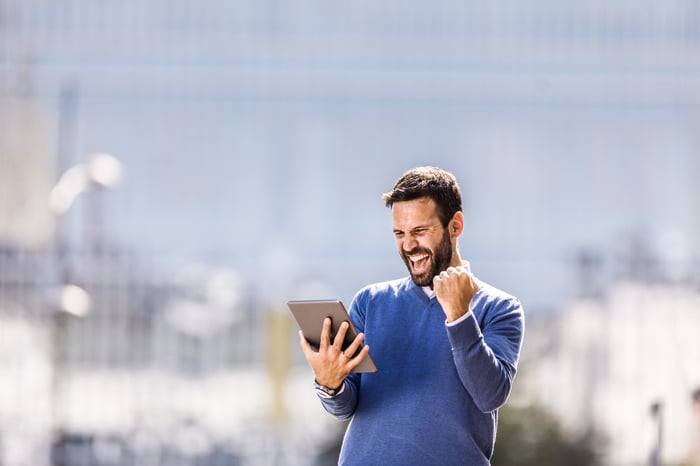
{"points": [[330, 364]]}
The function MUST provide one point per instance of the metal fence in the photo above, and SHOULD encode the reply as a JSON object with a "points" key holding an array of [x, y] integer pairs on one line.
{"points": [[155, 368]]}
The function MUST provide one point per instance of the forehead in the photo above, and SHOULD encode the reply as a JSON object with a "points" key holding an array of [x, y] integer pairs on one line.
{"points": [[410, 214]]}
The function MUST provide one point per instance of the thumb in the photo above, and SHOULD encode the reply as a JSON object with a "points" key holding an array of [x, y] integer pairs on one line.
{"points": [[304, 343]]}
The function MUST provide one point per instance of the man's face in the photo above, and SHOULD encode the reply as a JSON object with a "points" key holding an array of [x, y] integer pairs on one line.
{"points": [[423, 243]]}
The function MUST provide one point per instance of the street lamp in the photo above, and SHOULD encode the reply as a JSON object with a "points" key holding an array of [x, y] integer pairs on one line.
{"points": [[100, 171], [74, 300]]}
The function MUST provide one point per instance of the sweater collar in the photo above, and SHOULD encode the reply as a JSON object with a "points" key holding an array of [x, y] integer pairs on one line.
{"points": [[418, 290]]}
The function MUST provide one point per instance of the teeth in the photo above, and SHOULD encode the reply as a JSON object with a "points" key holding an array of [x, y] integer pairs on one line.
{"points": [[418, 258]]}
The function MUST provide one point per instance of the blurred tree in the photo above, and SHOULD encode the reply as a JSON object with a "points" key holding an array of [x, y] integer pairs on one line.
{"points": [[531, 437]]}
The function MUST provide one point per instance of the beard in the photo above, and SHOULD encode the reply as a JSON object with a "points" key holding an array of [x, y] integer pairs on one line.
{"points": [[439, 259]]}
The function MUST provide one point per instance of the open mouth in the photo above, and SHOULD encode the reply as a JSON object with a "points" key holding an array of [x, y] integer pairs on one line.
{"points": [[419, 263]]}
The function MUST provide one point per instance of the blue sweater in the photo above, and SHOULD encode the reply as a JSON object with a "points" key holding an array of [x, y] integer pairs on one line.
{"points": [[435, 397]]}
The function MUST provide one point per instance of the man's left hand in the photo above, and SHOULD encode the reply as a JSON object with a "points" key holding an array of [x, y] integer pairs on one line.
{"points": [[455, 288]]}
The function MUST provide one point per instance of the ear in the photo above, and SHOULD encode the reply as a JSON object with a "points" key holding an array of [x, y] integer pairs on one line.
{"points": [[456, 225]]}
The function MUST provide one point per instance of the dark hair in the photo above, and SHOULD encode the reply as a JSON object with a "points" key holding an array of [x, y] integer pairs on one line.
{"points": [[431, 182]]}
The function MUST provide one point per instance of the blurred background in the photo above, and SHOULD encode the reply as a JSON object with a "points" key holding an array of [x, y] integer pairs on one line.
{"points": [[172, 172]]}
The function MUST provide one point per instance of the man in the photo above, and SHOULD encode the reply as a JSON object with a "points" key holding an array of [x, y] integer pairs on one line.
{"points": [[446, 344]]}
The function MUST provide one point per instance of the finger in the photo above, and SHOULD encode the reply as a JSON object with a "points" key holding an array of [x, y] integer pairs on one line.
{"points": [[304, 343], [354, 346], [325, 334], [354, 362], [340, 336]]}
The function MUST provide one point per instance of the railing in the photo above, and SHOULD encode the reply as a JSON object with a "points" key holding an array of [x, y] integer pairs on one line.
{"points": [[158, 370]]}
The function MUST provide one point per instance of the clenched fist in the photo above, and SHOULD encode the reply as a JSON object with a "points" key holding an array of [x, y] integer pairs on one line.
{"points": [[455, 288]]}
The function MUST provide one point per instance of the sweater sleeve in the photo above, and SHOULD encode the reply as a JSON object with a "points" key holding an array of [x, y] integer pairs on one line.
{"points": [[486, 357], [343, 406]]}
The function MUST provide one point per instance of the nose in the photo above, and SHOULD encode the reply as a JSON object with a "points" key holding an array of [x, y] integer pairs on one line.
{"points": [[409, 243]]}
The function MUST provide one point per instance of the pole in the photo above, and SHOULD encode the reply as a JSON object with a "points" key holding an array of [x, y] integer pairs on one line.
{"points": [[695, 439], [657, 409]]}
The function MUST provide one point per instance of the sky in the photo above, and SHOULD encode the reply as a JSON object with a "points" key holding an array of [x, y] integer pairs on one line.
{"points": [[266, 144]]}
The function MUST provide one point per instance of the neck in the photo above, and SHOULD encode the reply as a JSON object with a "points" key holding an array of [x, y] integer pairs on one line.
{"points": [[456, 257]]}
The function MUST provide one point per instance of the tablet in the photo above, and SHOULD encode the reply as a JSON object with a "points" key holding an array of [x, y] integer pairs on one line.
{"points": [[310, 314]]}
